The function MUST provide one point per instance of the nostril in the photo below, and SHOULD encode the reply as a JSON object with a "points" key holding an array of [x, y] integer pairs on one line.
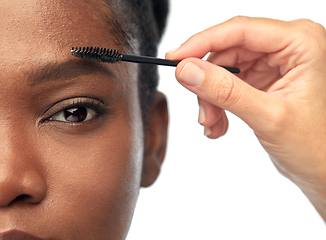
{"points": [[21, 198]]}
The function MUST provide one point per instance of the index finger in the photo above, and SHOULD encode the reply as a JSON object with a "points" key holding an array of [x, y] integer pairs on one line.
{"points": [[255, 34]]}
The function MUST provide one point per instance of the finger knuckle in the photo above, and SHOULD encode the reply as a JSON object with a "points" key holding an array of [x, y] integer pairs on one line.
{"points": [[312, 37], [309, 28], [224, 91], [318, 28], [241, 19]]}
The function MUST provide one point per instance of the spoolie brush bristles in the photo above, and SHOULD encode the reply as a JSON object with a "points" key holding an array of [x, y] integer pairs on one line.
{"points": [[97, 54], [113, 56]]}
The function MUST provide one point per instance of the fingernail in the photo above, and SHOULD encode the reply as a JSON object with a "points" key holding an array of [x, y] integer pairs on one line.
{"points": [[207, 131], [192, 75], [202, 116], [173, 50]]}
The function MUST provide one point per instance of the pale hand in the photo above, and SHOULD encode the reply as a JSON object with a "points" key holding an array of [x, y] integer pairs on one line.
{"points": [[280, 92]]}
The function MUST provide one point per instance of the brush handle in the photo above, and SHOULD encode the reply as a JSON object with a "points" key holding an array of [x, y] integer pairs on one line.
{"points": [[160, 61], [148, 60]]}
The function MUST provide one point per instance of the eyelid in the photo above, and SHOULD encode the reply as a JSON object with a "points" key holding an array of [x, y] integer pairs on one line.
{"points": [[88, 102]]}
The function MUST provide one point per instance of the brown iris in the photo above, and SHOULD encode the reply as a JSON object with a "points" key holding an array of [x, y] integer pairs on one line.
{"points": [[76, 114]]}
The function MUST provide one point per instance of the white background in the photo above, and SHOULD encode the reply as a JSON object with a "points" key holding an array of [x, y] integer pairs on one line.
{"points": [[225, 188]]}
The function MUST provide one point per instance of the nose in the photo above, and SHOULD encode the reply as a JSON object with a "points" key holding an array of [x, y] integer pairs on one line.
{"points": [[21, 185], [21, 174]]}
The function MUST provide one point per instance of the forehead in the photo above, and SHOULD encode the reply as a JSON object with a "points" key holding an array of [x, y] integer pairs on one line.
{"points": [[36, 32], [37, 27], [51, 15]]}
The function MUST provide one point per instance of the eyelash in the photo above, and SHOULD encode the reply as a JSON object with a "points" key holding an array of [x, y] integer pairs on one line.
{"points": [[93, 106]]}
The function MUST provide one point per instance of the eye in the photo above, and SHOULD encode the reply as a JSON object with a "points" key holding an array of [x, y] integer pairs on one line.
{"points": [[76, 110], [74, 115]]}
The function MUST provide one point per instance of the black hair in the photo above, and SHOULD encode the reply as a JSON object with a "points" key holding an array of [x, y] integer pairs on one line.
{"points": [[141, 23]]}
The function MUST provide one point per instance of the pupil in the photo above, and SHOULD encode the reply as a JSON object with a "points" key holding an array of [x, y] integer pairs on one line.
{"points": [[75, 114]]}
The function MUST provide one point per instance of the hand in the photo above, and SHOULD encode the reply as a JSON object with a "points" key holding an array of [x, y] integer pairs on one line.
{"points": [[280, 92]]}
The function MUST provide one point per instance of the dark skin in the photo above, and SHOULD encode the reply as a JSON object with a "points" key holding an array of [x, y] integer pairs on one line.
{"points": [[74, 151]]}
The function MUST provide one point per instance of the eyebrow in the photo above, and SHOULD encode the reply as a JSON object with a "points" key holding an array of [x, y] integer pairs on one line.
{"points": [[59, 71]]}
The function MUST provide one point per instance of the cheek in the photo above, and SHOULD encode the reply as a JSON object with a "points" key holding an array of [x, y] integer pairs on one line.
{"points": [[95, 180]]}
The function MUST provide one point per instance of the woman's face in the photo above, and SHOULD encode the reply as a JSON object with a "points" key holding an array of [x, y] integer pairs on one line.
{"points": [[71, 134]]}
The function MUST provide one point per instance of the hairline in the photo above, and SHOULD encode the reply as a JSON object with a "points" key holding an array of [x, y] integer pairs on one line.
{"points": [[125, 26]]}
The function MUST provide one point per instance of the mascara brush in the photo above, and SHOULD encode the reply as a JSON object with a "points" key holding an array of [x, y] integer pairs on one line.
{"points": [[114, 56]]}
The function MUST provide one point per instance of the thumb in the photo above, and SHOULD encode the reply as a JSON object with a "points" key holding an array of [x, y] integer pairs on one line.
{"points": [[225, 90]]}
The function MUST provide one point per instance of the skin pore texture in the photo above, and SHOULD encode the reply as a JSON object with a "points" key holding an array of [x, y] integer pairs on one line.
{"points": [[74, 152]]}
